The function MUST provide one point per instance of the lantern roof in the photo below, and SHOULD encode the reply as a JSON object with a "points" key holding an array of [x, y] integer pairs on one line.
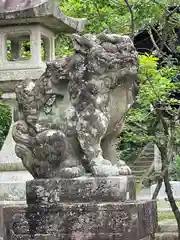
{"points": [[44, 12]]}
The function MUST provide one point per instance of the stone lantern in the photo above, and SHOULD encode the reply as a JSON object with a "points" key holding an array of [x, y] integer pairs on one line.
{"points": [[28, 29]]}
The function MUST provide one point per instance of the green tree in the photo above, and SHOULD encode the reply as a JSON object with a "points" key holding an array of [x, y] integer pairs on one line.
{"points": [[158, 117], [5, 121], [127, 17], [124, 17], [116, 15]]}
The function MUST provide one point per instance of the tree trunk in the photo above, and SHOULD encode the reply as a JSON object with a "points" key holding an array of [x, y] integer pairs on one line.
{"points": [[157, 189], [171, 200]]}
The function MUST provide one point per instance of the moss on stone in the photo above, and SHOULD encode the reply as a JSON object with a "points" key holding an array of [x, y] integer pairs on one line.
{"points": [[8, 167]]}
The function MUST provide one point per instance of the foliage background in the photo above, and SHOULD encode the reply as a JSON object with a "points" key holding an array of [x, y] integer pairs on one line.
{"points": [[131, 17], [5, 120]]}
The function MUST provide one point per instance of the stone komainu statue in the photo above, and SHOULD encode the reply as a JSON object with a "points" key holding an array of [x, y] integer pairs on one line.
{"points": [[70, 117]]}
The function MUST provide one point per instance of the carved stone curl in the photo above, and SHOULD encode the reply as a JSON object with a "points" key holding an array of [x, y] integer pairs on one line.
{"points": [[71, 116]]}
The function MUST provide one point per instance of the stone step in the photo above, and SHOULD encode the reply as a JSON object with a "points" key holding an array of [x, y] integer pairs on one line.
{"points": [[138, 173], [143, 163], [166, 235], [139, 168], [167, 225], [148, 150], [146, 158], [149, 147]]}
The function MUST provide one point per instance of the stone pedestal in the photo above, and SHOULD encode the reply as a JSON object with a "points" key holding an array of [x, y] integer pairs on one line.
{"points": [[80, 209], [13, 175]]}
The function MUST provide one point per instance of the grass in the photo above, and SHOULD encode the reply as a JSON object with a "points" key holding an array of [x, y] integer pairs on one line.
{"points": [[165, 215], [165, 204]]}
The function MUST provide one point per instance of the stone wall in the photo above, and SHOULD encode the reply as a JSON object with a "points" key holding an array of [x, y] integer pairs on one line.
{"points": [[4, 204]]}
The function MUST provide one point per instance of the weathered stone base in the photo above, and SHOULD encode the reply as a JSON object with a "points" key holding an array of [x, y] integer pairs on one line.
{"points": [[83, 221], [7, 204], [59, 209], [51, 192]]}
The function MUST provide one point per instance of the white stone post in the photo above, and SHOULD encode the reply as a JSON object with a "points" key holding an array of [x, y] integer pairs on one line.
{"points": [[35, 43], [15, 49], [157, 159], [3, 50], [52, 42]]}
